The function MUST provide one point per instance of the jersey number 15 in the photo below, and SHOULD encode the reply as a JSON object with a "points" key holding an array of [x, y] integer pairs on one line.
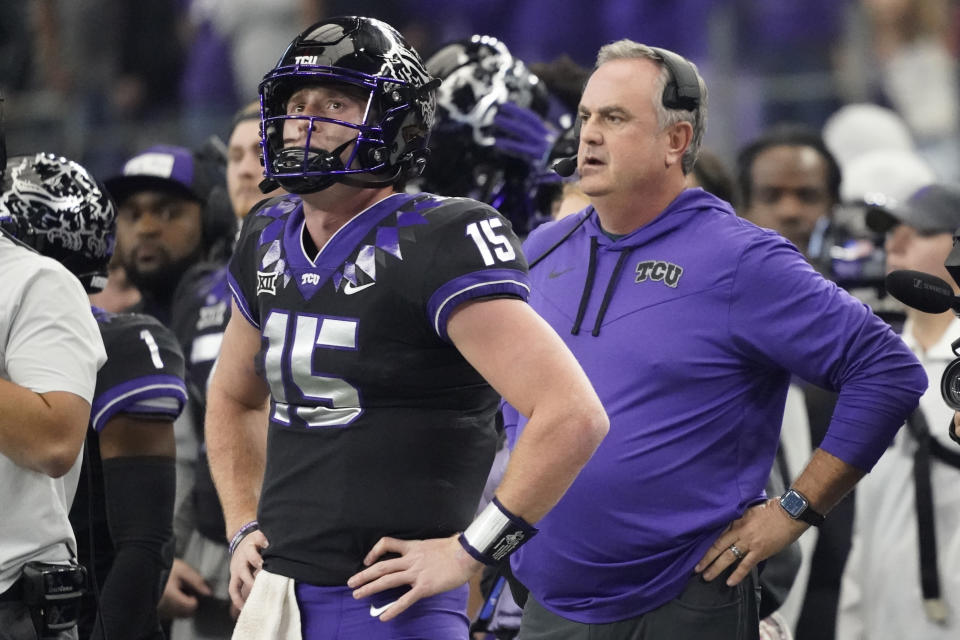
{"points": [[326, 401]]}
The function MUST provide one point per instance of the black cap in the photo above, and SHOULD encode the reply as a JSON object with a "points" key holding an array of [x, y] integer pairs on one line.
{"points": [[932, 209]]}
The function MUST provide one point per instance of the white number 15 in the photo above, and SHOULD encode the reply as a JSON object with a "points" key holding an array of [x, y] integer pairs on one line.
{"points": [[502, 248]]}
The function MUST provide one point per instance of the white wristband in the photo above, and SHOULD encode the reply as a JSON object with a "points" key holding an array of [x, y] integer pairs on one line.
{"points": [[495, 534]]}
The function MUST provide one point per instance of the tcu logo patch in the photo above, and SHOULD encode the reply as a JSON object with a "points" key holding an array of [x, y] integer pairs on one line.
{"points": [[667, 272], [310, 278]]}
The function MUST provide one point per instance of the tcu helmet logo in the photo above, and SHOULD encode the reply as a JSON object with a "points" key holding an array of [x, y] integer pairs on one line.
{"points": [[667, 272], [306, 59]]}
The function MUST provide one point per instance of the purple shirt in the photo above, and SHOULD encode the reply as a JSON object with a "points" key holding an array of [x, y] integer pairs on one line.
{"points": [[704, 323]]}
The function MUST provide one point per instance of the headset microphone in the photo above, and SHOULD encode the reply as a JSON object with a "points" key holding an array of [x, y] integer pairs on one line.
{"points": [[565, 167], [921, 291]]}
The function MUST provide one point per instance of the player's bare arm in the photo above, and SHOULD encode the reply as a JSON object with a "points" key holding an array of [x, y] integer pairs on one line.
{"points": [[528, 364], [236, 427]]}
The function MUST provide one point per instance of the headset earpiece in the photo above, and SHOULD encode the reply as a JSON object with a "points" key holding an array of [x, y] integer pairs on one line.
{"points": [[683, 89]]}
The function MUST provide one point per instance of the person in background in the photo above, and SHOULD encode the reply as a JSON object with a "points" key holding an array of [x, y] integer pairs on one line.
{"points": [[908, 509], [49, 356], [790, 182], [196, 595], [171, 204], [123, 539]]}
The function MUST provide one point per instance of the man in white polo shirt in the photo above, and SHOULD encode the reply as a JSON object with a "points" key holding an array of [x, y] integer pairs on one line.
{"points": [[50, 351]]}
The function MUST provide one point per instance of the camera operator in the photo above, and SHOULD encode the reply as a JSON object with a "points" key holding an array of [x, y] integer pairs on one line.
{"points": [[908, 510]]}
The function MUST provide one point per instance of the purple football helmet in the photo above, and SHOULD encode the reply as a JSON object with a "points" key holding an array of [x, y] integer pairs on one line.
{"points": [[391, 142], [56, 207]]}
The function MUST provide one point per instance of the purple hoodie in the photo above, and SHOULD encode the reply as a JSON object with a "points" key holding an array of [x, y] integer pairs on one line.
{"points": [[690, 328]]}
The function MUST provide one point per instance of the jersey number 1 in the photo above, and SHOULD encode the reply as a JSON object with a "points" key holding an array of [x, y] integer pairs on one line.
{"points": [[152, 347]]}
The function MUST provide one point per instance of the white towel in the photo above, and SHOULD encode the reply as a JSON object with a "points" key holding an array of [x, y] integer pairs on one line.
{"points": [[270, 611]]}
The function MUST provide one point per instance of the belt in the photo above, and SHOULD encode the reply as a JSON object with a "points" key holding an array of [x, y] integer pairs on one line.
{"points": [[14, 593]]}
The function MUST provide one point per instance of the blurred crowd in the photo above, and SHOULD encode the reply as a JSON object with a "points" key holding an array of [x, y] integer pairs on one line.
{"points": [[99, 79]]}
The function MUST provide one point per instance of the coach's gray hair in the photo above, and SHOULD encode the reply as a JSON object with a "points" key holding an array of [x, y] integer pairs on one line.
{"points": [[628, 50]]}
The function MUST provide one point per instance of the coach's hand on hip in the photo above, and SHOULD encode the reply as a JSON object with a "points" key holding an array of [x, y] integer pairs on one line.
{"points": [[764, 530], [428, 566]]}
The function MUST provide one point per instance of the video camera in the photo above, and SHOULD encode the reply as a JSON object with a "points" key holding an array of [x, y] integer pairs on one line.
{"points": [[850, 254]]}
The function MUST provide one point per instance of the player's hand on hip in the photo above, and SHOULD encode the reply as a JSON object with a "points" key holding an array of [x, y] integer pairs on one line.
{"points": [[244, 565], [764, 530], [427, 566]]}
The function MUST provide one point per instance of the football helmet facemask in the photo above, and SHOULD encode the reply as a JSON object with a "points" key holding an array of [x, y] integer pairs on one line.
{"points": [[56, 207], [390, 144]]}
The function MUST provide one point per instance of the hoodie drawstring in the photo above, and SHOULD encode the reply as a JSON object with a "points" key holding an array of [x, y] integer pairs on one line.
{"points": [[587, 286], [608, 294]]}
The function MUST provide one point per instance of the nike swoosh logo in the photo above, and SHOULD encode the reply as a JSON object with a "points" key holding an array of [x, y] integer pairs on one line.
{"points": [[349, 288], [375, 612], [557, 274]]}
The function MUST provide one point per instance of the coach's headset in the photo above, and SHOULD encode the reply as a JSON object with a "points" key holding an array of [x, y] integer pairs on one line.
{"points": [[682, 92]]}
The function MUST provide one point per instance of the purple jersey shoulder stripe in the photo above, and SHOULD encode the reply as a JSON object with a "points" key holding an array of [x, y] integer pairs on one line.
{"points": [[241, 301], [477, 284], [126, 396]]}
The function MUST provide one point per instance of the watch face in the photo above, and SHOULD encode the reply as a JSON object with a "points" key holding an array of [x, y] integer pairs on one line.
{"points": [[793, 503]]}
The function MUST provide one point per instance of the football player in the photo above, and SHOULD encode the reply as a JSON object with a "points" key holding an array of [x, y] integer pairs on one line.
{"points": [[381, 327], [124, 506]]}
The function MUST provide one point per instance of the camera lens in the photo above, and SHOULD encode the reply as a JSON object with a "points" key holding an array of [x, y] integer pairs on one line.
{"points": [[950, 385]]}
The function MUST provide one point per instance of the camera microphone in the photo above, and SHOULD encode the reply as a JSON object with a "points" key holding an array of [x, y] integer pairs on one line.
{"points": [[921, 291], [565, 167]]}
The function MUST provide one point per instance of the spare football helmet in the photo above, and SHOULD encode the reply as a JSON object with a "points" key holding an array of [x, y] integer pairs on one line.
{"points": [[391, 141], [494, 131], [56, 207]]}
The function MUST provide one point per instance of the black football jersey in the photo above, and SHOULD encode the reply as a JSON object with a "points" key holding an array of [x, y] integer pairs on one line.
{"points": [[144, 371], [201, 310], [378, 426], [143, 376]]}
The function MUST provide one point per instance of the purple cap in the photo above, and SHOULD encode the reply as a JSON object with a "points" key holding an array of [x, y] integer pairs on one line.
{"points": [[162, 168]]}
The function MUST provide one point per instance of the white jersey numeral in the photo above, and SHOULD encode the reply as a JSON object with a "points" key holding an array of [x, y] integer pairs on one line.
{"points": [[147, 337], [290, 362], [483, 235]]}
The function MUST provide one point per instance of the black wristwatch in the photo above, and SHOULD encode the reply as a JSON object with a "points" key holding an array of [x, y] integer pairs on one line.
{"points": [[798, 508]]}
